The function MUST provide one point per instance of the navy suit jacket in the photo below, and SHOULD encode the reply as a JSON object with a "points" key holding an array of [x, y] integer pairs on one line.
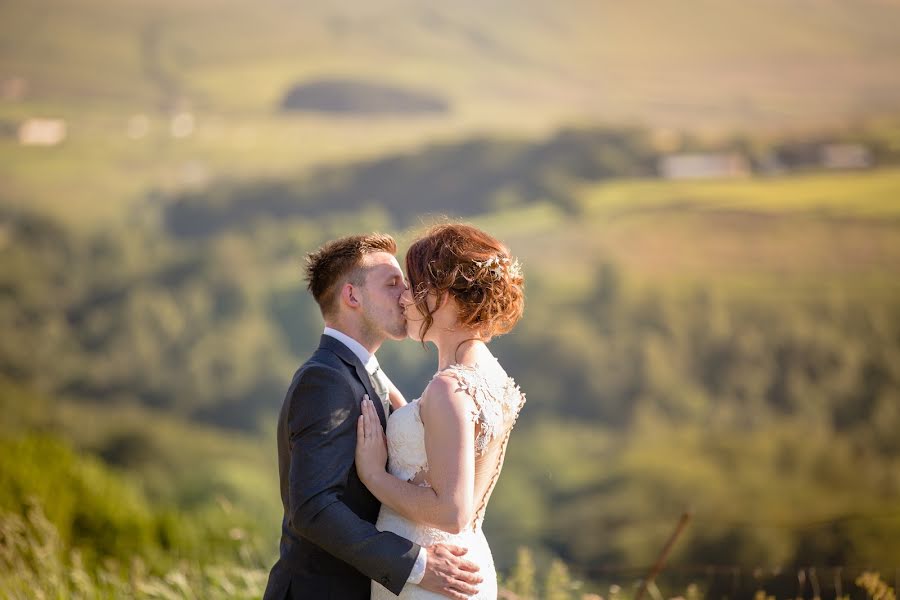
{"points": [[330, 547]]}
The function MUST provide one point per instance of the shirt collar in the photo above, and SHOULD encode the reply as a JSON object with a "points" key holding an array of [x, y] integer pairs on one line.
{"points": [[364, 356]]}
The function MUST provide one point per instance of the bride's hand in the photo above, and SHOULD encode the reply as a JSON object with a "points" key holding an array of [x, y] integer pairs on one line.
{"points": [[371, 447]]}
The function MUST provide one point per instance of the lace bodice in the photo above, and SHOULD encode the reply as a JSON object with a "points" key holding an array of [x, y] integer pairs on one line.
{"points": [[497, 402]]}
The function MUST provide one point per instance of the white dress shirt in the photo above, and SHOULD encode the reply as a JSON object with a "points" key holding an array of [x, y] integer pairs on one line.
{"points": [[365, 357]]}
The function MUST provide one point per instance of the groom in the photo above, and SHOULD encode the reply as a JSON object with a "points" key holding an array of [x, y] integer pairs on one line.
{"points": [[330, 547]]}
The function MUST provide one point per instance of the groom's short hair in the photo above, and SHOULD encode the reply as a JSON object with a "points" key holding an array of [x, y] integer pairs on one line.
{"points": [[339, 261]]}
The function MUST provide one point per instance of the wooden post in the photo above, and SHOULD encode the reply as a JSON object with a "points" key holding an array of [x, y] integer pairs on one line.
{"points": [[663, 555]]}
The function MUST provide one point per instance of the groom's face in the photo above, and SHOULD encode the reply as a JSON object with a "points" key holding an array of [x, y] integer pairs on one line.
{"points": [[384, 283]]}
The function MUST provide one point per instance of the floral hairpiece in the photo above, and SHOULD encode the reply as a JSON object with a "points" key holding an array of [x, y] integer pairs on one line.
{"points": [[497, 265]]}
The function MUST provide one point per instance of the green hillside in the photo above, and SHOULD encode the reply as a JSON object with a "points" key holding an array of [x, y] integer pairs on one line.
{"points": [[721, 357], [510, 68], [594, 58]]}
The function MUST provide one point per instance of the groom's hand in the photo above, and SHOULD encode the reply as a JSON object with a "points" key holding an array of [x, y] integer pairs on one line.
{"points": [[448, 574]]}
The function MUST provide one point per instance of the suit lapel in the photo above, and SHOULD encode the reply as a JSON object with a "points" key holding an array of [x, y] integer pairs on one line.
{"points": [[345, 354]]}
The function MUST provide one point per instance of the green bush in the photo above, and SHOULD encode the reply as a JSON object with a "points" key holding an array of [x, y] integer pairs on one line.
{"points": [[102, 514]]}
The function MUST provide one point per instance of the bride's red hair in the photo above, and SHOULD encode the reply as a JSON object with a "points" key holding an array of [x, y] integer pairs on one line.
{"points": [[476, 269]]}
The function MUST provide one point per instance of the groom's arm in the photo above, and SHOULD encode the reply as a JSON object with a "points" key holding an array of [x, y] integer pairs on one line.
{"points": [[322, 418]]}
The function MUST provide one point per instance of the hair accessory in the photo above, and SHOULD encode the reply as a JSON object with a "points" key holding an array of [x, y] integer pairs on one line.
{"points": [[497, 265]]}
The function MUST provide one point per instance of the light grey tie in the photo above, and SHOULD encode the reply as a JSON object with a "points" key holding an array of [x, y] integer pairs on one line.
{"points": [[381, 383]]}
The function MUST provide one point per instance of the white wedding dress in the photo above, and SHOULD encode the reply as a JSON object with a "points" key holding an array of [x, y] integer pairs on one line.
{"points": [[497, 400]]}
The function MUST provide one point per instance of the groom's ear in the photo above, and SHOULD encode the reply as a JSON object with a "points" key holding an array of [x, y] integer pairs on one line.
{"points": [[350, 295]]}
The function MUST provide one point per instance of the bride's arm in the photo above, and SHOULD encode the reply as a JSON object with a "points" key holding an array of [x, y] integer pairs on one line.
{"points": [[449, 443], [396, 397]]}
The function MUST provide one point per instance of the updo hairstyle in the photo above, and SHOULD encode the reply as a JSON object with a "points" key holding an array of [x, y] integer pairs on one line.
{"points": [[475, 268]]}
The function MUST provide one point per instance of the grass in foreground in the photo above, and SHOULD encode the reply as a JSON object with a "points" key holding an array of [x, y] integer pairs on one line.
{"points": [[34, 563]]}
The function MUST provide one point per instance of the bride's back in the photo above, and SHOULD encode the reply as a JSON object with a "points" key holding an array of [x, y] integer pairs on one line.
{"points": [[497, 401]]}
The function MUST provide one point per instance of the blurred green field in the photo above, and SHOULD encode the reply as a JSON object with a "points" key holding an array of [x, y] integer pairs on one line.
{"points": [[746, 61], [800, 233], [689, 349], [98, 63], [871, 194]]}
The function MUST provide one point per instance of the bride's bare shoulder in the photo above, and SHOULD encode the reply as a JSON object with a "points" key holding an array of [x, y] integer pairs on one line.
{"points": [[445, 395]]}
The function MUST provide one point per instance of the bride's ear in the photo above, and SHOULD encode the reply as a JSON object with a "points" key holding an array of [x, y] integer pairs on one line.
{"points": [[443, 299], [439, 300]]}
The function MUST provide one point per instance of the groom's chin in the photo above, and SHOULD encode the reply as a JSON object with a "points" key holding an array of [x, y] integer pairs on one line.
{"points": [[400, 334]]}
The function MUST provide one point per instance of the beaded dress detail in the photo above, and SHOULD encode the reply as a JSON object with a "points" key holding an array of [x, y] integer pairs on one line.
{"points": [[497, 401]]}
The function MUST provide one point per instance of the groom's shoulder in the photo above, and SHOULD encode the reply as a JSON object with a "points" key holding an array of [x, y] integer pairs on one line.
{"points": [[326, 358], [322, 362], [323, 371]]}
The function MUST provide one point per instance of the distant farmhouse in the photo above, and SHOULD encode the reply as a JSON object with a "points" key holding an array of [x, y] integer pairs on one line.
{"points": [[788, 158], [845, 156], [712, 165], [822, 154], [42, 132]]}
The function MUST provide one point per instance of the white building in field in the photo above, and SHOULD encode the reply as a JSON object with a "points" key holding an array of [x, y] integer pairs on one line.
{"points": [[711, 165], [42, 132], [845, 156]]}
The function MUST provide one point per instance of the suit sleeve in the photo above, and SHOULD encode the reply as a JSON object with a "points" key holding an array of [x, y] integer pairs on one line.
{"points": [[322, 419]]}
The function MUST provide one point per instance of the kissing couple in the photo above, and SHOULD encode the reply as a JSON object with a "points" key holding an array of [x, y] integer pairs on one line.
{"points": [[352, 528]]}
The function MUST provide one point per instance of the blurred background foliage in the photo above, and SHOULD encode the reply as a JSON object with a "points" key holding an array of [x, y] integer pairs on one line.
{"points": [[723, 340]]}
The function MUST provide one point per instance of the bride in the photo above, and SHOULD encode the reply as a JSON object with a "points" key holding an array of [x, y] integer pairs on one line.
{"points": [[445, 450]]}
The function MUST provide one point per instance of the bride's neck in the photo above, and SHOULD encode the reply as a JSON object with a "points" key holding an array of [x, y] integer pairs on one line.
{"points": [[459, 347]]}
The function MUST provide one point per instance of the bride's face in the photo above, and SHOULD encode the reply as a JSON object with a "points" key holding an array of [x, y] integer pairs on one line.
{"points": [[415, 317]]}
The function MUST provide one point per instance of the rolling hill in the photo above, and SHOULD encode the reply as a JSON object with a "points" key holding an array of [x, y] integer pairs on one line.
{"points": [[125, 77]]}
